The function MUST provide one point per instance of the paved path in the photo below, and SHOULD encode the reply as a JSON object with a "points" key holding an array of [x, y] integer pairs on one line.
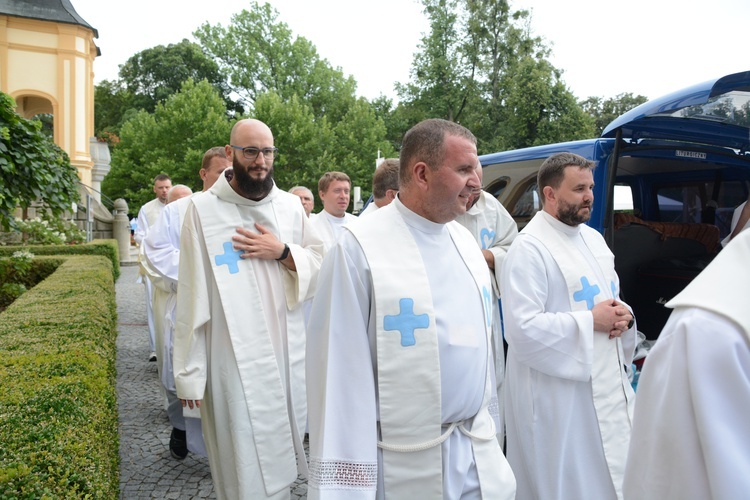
{"points": [[147, 470]]}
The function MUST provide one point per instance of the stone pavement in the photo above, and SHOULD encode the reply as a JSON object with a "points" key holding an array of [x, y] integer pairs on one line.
{"points": [[147, 470]]}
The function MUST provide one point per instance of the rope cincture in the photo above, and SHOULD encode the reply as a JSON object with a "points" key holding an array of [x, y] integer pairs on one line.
{"points": [[409, 448]]}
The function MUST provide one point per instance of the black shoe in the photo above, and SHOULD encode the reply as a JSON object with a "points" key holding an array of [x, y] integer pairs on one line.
{"points": [[152, 356], [178, 444]]}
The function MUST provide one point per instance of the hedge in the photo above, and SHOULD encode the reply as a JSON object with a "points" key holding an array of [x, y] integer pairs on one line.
{"points": [[106, 248], [58, 407]]}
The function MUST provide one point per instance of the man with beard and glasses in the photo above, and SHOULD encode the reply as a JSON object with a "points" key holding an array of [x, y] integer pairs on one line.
{"points": [[248, 259], [568, 400]]}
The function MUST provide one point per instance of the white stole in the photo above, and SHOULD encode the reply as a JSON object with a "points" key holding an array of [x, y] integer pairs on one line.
{"points": [[584, 291], [408, 367], [263, 389]]}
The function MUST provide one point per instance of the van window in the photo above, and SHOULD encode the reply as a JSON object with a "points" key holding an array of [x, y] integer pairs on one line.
{"points": [[693, 203], [623, 198], [528, 203]]}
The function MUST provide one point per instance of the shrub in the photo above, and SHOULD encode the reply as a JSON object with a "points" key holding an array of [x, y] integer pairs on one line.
{"points": [[58, 410], [106, 248], [46, 230]]}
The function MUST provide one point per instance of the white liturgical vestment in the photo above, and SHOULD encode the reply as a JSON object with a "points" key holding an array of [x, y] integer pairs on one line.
{"points": [[399, 365], [147, 217], [494, 229], [239, 341], [568, 400], [691, 438], [330, 227]]}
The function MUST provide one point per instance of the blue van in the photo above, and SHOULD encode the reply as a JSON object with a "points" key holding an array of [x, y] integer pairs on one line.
{"points": [[669, 175]]}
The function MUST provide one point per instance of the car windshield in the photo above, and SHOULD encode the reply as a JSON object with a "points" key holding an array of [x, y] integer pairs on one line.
{"points": [[731, 108]]}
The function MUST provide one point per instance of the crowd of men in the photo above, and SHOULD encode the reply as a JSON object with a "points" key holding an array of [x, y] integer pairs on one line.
{"points": [[382, 338]]}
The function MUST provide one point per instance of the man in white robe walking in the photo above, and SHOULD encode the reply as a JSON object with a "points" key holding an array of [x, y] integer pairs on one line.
{"points": [[334, 190], [384, 185], [568, 400], [161, 250], [494, 230], [248, 258], [399, 368], [690, 435], [147, 217]]}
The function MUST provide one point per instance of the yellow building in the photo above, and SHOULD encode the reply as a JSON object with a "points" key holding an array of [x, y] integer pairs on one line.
{"points": [[47, 54]]}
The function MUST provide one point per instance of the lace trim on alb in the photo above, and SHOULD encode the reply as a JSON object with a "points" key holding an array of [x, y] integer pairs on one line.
{"points": [[343, 474], [494, 408]]}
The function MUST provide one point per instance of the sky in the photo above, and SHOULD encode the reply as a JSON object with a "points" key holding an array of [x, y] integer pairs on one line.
{"points": [[645, 47]]}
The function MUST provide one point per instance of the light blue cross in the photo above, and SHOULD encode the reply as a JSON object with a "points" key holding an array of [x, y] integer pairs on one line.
{"points": [[406, 322], [489, 235], [587, 293], [230, 257], [487, 305]]}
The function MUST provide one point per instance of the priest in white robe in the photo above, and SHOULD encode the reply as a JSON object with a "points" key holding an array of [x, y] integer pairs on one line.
{"points": [[568, 400], [384, 185], [161, 250], [691, 437], [334, 190], [147, 217], [248, 258], [399, 368], [494, 230]]}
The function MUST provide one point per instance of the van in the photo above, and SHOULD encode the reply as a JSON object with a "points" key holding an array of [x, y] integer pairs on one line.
{"points": [[669, 174]]}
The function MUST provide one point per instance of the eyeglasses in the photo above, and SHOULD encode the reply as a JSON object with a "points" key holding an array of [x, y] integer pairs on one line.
{"points": [[251, 153]]}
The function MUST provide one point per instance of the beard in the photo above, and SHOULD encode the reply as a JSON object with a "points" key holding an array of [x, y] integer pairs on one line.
{"points": [[570, 214], [252, 188]]}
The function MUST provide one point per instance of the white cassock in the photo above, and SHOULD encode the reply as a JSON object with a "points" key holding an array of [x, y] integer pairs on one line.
{"points": [[239, 341], [494, 229], [329, 227], [161, 249], [691, 438], [370, 208], [398, 365], [568, 400], [147, 217], [735, 220]]}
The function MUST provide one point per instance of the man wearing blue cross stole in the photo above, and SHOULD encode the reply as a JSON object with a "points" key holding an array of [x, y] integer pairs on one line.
{"points": [[568, 400], [399, 365], [248, 259]]}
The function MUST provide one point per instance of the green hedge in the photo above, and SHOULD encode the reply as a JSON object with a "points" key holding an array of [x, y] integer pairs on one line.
{"points": [[106, 248], [58, 407]]}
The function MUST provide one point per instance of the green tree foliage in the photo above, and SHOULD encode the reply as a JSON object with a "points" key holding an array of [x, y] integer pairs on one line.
{"points": [[479, 66], [604, 111], [260, 54], [150, 77], [32, 167], [171, 140], [309, 147]]}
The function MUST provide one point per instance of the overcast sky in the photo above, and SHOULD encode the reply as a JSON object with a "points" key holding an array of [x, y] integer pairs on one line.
{"points": [[647, 47]]}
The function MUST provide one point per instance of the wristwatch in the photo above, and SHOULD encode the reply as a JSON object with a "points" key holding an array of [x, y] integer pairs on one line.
{"points": [[630, 325], [285, 253]]}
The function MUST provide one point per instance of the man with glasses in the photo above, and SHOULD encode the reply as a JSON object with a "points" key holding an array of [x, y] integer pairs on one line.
{"points": [[248, 259]]}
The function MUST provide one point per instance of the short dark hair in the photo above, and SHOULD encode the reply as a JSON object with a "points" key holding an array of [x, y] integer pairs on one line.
{"points": [[211, 154], [425, 142], [329, 177], [552, 171], [161, 177], [385, 178]]}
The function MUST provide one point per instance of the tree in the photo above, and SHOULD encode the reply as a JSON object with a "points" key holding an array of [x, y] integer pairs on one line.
{"points": [[259, 55], [172, 140], [154, 74], [479, 66], [309, 147], [604, 111], [32, 167]]}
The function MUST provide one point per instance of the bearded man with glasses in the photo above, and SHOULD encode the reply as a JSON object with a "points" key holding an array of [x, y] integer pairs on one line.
{"points": [[248, 259]]}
